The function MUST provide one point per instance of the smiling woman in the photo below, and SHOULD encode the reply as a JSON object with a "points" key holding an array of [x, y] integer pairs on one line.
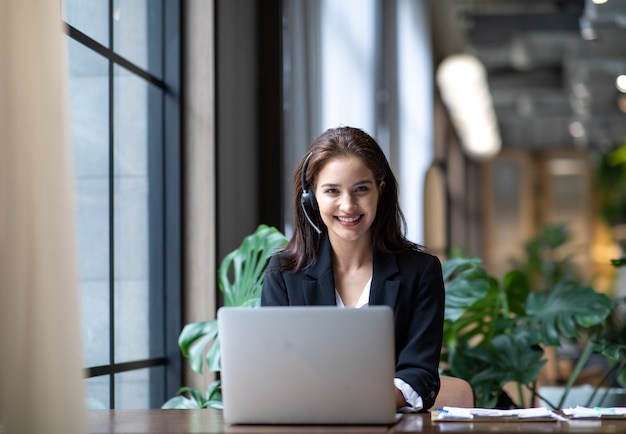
{"points": [[349, 249]]}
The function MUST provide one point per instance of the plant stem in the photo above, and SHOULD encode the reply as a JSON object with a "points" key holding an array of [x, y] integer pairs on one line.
{"points": [[505, 302], [613, 371], [533, 390], [520, 392], [579, 366], [538, 395]]}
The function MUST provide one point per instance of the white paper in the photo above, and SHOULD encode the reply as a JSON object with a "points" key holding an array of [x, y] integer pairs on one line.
{"points": [[585, 412], [472, 413]]}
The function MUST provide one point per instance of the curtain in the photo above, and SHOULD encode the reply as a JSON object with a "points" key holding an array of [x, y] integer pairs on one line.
{"points": [[41, 387]]}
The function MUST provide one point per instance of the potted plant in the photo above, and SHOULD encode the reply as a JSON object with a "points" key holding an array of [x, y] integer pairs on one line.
{"points": [[610, 184], [495, 331], [240, 279]]}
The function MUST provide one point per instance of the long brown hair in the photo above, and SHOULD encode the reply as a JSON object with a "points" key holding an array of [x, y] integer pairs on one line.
{"points": [[389, 226]]}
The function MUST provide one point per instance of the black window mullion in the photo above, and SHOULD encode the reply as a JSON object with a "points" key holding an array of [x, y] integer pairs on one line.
{"points": [[172, 142], [95, 371], [79, 36], [157, 210], [111, 216]]}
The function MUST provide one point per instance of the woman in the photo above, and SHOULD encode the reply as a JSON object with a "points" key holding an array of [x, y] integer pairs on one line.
{"points": [[348, 249]]}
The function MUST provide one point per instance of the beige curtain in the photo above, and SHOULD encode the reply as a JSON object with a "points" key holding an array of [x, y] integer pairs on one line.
{"points": [[41, 387]]}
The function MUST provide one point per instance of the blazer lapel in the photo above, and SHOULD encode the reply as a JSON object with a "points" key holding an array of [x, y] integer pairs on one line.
{"points": [[319, 288], [385, 284]]}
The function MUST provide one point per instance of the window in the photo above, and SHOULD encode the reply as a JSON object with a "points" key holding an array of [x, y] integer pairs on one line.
{"points": [[124, 87], [366, 64]]}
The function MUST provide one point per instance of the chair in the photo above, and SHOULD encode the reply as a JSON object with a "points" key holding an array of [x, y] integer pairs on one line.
{"points": [[454, 392]]}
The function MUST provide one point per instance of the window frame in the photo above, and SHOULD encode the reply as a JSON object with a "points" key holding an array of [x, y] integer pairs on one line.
{"points": [[165, 306]]}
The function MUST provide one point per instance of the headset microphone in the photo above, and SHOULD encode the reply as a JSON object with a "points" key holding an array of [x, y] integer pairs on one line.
{"points": [[307, 200]]}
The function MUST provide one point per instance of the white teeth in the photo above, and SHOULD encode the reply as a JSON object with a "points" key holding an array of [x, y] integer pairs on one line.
{"points": [[348, 220]]}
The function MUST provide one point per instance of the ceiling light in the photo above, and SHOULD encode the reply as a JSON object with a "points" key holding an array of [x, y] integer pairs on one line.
{"points": [[462, 81], [600, 2], [620, 83]]}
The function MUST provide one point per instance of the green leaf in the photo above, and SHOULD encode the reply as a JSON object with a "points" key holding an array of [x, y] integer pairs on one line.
{"points": [[517, 287], [562, 310], [454, 266], [512, 358], [621, 262], [240, 275], [196, 353], [180, 401], [486, 396], [479, 320], [214, 391], [615, 352], [193, 331], [466, 282], [213, 359]]}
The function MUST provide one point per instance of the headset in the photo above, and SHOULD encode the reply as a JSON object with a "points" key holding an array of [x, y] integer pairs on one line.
{"points": [[308, 201]]}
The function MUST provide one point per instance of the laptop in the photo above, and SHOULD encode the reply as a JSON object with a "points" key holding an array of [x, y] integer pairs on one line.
{"points": [[307, 365]]}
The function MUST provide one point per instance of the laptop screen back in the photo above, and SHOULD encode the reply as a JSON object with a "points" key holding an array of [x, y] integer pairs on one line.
{"points": [[307, 365]]}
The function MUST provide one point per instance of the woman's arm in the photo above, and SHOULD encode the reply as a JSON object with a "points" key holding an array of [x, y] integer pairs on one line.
{"points": [[418, 358]]}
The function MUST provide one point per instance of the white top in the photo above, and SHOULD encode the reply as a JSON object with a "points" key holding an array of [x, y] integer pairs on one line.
{"points": [[363, 299], [410, 395]]}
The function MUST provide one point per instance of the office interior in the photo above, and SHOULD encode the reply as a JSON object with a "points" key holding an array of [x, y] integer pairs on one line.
{"points": [[185, 121]]}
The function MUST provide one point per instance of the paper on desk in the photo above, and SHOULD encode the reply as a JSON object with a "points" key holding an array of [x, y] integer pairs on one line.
{"points": [[457, 413], [595, 412]]}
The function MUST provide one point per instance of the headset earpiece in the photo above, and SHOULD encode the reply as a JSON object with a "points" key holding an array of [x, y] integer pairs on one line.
{"points": [[307, 200]]}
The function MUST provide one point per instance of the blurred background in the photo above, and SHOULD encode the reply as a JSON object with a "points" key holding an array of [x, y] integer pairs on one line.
{"points": [[188, 119]]}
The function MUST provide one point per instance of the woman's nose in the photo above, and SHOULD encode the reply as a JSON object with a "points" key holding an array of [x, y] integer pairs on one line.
{"points": [[348, 202]]}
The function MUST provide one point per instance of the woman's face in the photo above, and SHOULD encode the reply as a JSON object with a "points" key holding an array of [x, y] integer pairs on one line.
{"points": [[347, 196]]}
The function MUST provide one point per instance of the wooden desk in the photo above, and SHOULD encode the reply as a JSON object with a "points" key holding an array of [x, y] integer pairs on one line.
{"points": [[210, 421]]}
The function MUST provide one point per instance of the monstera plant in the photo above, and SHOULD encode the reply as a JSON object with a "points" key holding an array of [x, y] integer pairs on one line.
{"points": [[240, 279], [495, 331]]}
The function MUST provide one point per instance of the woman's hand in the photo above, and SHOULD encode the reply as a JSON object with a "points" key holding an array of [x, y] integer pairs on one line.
{"points": [[400, 401]]}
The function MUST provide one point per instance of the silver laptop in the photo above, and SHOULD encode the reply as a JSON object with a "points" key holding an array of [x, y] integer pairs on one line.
{"points": [[307, 365]]}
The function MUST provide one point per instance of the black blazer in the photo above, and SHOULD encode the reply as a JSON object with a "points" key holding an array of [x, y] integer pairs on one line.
{"points": [[411, 283]]}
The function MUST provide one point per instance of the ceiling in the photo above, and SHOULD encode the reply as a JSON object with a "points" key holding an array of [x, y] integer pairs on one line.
{"points": [[550, 87]]}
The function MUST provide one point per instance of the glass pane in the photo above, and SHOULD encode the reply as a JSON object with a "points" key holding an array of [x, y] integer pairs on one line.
{"points": [[97, 390], [140, 388], [569, 204], [567, 179], [137, 33], [507, 196], [506, 216], [90, 17], [89, 102], [137, 218]]}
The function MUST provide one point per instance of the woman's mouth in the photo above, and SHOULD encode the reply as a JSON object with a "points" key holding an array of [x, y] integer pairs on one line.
{"points": [[350, 219]]}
